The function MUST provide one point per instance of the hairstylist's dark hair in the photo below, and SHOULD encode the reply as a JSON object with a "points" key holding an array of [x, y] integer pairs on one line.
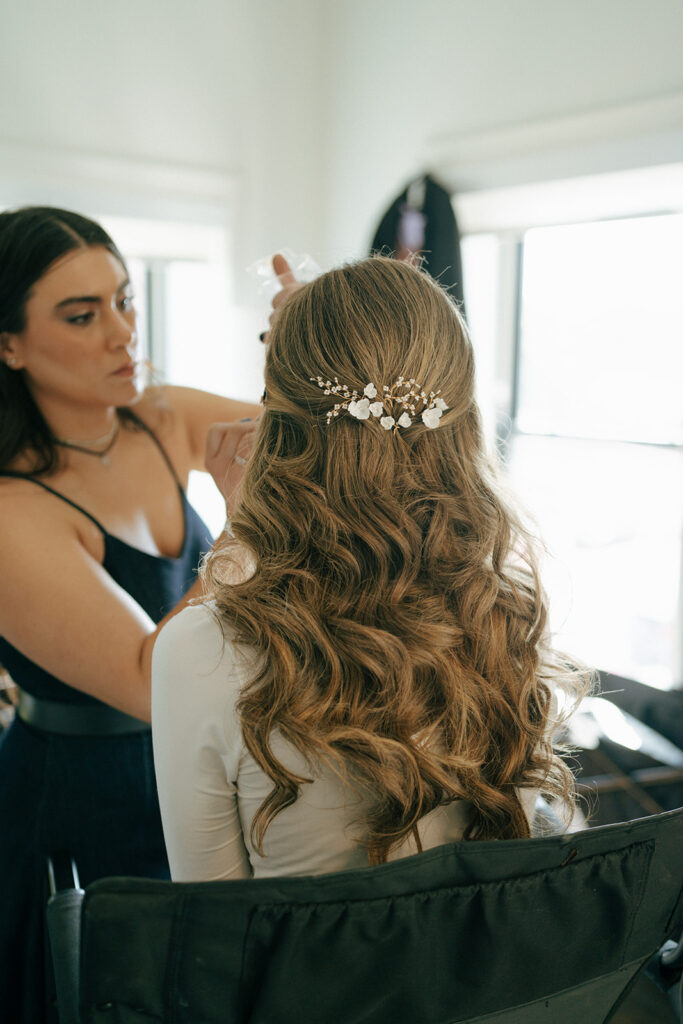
{"points": [[31, 239]]}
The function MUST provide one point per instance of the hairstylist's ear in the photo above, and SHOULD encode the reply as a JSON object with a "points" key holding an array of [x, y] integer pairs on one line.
{"points": [[8, 350]]}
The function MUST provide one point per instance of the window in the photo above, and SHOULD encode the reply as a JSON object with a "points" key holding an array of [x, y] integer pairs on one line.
{"points": [[600, 351], [585, 363], [187, 325]]}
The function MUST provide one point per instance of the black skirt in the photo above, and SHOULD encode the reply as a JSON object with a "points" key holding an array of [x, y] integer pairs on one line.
{"points": [[93, 797]]}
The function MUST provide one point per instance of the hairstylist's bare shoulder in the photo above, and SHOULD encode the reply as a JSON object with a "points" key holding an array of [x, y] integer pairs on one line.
{"points": [[28, 512], [24, 501], [59, 606], [41, 539], [155, 408]]}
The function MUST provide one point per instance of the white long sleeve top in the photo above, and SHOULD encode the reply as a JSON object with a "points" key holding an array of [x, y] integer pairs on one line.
{"points": [[210, 786]]}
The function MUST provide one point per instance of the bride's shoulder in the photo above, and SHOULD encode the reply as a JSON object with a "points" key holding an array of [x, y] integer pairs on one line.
{"points": [[196, 625], [199, 639]]}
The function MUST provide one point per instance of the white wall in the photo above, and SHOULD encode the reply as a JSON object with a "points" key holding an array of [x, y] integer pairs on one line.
{"points": [[224, 86], [434, 84], [317, 111]]}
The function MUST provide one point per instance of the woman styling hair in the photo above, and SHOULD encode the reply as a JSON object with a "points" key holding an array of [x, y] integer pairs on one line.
{"points": [[98, 544], [379, 679]]}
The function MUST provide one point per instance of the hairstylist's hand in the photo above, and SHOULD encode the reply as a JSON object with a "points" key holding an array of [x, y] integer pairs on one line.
{"points": [[289, 284], [228, 447]]}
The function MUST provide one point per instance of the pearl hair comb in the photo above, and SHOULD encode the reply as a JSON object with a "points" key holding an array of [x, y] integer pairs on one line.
{"points": [[394, 406]]}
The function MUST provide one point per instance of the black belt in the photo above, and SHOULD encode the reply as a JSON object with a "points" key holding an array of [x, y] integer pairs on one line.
{"points": [[76, 719]]}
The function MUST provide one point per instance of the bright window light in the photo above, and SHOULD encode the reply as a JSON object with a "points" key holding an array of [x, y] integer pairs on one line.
{"points": [[611, 516], [593, 362], [602, 308]]}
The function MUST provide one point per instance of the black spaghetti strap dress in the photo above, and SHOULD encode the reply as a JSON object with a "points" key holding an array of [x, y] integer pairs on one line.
{"points": [[91, 795]]}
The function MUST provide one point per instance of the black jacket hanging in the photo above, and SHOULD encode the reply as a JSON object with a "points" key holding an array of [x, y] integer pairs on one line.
{"points": [[421, 220]]}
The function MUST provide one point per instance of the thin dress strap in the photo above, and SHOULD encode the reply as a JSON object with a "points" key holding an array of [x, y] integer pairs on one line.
{"points": [[150, 433], [57, 494]]}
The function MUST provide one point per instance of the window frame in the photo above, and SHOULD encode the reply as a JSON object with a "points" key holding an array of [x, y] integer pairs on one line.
{"points": [[507, 214]]}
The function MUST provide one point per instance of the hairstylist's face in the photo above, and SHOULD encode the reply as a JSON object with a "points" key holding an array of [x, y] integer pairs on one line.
{"points": [[79, 339]]}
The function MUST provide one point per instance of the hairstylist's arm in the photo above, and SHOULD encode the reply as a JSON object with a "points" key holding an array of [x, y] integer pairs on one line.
{"points": [[63, 610]]}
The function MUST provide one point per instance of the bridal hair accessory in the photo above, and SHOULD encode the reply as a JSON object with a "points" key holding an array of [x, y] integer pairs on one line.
{"points": [[394, 407]]}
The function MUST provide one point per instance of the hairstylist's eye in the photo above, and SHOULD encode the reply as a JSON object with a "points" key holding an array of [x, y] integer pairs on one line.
{"points": [[80, 319], [126, 302]]}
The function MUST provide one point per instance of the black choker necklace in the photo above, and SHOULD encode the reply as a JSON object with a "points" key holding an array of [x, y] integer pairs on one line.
{"points": [[85, 446]]}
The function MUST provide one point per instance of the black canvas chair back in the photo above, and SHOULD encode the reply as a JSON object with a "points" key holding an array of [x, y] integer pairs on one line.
{"points": [[549, 930]]}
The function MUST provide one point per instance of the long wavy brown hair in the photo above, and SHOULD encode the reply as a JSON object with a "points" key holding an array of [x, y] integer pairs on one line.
{"points": [[395, 595]]}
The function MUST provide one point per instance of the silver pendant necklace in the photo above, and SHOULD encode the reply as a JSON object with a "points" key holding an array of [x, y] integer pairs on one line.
{"points": [[90, 447]]}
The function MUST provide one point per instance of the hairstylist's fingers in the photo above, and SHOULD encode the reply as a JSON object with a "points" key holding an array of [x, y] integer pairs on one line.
{"points": [[226, 437], [228, 446], [226, 440], [289, 285], [287, 280], [283, 270], [244, 447], [214, 439]]}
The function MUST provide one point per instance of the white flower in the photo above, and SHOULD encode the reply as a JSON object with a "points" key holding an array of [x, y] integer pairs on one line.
{"points": [[370, 390], [360, 409], [431, 417], [376, 408], [440, 404], [404, 420], [387, 422]]}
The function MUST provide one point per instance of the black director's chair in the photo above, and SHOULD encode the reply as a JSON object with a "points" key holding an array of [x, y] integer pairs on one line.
{"points": [[552, 930]]}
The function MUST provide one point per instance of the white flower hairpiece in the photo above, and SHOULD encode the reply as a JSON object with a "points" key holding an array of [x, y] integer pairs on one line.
{"points": [[396, 406]]}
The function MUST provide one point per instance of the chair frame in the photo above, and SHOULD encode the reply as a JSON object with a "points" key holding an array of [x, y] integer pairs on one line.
{"points": [[115, 914]]}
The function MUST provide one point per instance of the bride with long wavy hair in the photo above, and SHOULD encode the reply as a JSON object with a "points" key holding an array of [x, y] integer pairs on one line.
{"points": [[393, 593]]}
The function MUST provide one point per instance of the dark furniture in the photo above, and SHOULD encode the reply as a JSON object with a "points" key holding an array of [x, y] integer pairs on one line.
{"points": [[551, 930]]}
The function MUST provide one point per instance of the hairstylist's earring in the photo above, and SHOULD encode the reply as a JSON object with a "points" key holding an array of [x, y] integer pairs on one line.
{"points": [[11, 361]]}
